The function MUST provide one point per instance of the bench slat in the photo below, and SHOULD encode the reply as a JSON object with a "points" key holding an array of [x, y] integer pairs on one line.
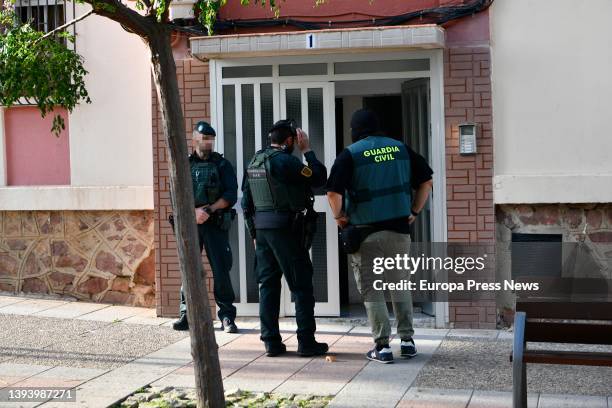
{"points": [[553, 332], [568, 357], [558, 310]]}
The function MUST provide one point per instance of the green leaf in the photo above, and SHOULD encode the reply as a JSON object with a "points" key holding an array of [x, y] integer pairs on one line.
{"points": [[44, 71]]}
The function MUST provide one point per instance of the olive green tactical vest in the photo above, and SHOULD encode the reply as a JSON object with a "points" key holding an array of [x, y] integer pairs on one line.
{"points": [[206, 180], [270, 194], [380, 188]]}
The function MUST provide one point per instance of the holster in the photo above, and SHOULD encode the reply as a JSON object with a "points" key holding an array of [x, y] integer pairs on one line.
{"points": [[304, 226], [223, 218], [310, 227]]}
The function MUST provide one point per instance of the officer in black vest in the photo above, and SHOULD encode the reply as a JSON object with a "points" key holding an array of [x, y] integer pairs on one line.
{"points": [[215, 190], [277, 194]]}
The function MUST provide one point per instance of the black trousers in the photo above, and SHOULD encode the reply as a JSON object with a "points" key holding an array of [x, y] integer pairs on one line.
{"points": [[219, 253], [278, 253]]}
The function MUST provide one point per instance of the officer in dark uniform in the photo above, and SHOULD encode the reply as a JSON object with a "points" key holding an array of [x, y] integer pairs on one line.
{"points": [[277, 194], [370, 188], [215, 190]]}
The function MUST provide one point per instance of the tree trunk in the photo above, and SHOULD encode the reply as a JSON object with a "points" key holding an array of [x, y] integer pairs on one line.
{"points": [[209, 387]]}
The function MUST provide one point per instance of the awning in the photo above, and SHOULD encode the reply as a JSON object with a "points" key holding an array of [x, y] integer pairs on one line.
{"points": [[320, 42]]}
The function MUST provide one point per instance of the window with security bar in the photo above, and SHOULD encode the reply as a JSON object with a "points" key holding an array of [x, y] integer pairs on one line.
{"points": [[45, 15]]}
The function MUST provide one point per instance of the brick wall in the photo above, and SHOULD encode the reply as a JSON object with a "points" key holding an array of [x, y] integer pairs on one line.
{"points": [[195, 98], [470, 209]]}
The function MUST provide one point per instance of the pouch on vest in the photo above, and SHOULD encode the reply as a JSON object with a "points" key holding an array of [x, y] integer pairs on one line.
{"points": [[206, 182]]}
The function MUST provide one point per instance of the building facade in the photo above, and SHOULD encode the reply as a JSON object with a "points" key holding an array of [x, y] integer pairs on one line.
{"points": [[423, 79], [535, 90], [76, 211]]}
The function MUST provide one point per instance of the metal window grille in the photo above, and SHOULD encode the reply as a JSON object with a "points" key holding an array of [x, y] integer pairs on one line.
{"points": [[46, 15]]}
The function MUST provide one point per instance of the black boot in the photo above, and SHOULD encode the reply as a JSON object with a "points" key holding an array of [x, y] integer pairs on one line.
{"points": [[274, 349], [311, 348], [181, 324]]}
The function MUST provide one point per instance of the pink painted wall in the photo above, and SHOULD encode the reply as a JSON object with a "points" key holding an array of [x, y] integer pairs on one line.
{"points": [[34, 156], [336, 9], [467, 31]]}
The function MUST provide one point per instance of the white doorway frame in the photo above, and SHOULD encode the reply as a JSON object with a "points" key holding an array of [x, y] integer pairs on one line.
{"points": [[437, 157], [332, 306]]}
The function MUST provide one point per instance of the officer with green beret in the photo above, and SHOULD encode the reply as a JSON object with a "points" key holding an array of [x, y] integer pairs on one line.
{"points": [[277, 196], [215, 190]]}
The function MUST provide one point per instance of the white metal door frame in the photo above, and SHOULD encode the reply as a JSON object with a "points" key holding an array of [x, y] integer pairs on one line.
{"points": [[438, 148], [332, 306]]}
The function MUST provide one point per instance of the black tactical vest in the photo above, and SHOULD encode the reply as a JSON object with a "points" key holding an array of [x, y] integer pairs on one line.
{"points": [[206, 179], [270, 194]]}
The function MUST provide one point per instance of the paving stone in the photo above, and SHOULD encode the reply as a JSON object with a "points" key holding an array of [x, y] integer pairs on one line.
{"points": [[31, 306], [497, 399], [571, 401], [72, 373], [112, 313], [182, 380], [361, 330], [109, 346], [148, 317], [435, 398], [425, 332], [321, 377], [71, 310], [11, 373], [117, 384], [483, 364], [485, 334], [9, 300], [237, 356], [505, 335], [367, 388], [23, 336]]}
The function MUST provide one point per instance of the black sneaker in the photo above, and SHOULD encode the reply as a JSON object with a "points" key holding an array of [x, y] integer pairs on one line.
{"points": [[312, 348], [408, 348], [384, 355], [181, 324], [229, 326], [275, 349]]}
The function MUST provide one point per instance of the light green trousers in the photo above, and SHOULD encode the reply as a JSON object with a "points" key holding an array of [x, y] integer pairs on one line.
{"points": [[382, 244]]}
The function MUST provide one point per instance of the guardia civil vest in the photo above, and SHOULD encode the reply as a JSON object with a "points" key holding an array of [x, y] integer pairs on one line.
{"points": [[206, 179], [380, 188], [270, 194]]}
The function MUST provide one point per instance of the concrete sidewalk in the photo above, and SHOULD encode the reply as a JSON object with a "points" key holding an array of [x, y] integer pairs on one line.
{"points": [[108, 352]]}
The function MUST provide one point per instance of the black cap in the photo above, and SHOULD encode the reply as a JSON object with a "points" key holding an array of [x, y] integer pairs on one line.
{"points": [[364, 121], [205, 128], [285, 124]]}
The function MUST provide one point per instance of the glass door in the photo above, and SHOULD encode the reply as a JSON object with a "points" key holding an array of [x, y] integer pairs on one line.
{"points": [[311, 105]]}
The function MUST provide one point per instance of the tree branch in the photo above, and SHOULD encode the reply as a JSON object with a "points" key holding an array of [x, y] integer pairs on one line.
{"points": [[68, 24], [119, 12]]}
